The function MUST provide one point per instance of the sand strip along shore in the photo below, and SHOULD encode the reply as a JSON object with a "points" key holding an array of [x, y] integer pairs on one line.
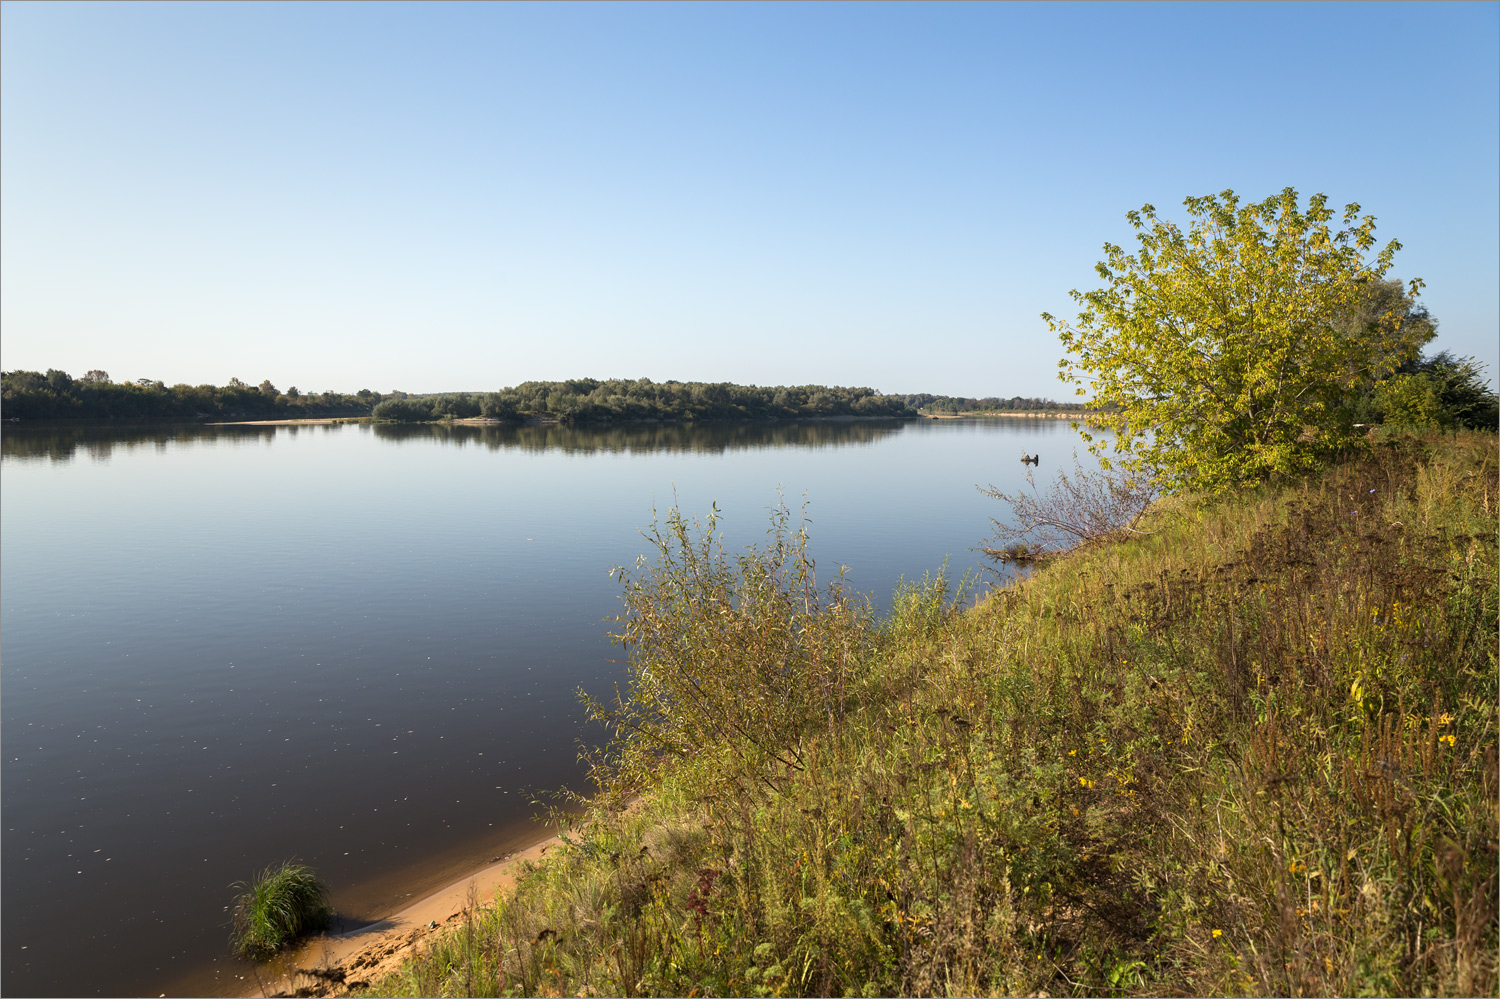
{"points": [[289, 422], [332, 965]]}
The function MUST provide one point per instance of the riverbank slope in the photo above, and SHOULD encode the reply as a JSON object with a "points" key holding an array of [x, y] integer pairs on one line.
{"points": [[1252, 752]]}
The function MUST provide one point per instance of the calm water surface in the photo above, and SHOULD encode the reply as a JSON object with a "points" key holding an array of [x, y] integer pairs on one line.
{"points": [[360, 646]]}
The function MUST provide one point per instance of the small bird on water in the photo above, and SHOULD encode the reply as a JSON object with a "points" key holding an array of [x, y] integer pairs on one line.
{"points": [[1030, 459]]}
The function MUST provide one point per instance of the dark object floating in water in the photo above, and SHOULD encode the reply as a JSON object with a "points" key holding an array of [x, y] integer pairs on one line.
{"points": [[1030, 459]]}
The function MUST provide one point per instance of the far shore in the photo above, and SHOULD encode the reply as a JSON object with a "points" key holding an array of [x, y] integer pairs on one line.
{"points": [[1011, 414], [485, 421], [290, 423], [534, 421], [334, 964]]}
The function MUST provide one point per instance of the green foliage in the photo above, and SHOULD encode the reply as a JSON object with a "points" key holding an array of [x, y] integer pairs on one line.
{"points": [[1252, 753], [279, 907], [495, 406], [1441, 392], [1413, 402], [454, 406], [1223, 355], [29, 395], [1425, 393], [1468, 400], [955, 405], [403, 410], [743, 653], [588, 399]]}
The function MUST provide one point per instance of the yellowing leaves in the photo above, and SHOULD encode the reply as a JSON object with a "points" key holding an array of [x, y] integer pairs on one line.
{"points": [[1211, 352]]}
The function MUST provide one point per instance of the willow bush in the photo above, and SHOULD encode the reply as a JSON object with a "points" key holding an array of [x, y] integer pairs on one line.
{"points": [[741, 652]]}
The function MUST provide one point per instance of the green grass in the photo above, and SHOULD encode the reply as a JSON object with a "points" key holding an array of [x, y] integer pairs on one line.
{"points": [[279, 907], [1252, 753]]}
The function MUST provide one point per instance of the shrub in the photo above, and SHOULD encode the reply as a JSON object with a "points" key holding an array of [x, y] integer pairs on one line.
{"points": [[744, 653], [1082, 508], [281, 905], [1441, 392]]}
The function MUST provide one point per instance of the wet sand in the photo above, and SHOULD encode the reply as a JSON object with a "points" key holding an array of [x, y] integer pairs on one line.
{"points": [[333, 964]]}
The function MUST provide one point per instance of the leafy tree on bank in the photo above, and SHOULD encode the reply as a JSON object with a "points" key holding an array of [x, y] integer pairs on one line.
{"points": [[1228, 353]]}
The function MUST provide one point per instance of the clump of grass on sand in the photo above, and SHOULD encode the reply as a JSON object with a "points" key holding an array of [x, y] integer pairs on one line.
{"points": [[1250, 753], [279, 907]]}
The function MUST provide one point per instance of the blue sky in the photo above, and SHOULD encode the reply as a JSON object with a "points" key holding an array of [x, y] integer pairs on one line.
{"points": [[433, 197]]}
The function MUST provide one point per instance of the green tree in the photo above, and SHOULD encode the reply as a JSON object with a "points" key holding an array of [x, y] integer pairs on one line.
{"points": [[1442, 391], [1413, 402], [403, 410], [1224, 354], [496, 406]]}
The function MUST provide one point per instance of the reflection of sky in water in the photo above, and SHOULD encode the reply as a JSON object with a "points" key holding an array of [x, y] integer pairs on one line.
{"points": [[360, 647]]}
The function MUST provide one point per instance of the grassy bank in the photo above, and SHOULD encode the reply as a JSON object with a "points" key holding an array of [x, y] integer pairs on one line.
{"points": [[1251, 753]]}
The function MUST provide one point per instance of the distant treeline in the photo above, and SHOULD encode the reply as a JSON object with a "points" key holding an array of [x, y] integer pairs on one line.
{"points": [[31, 395], [581, 400], [990, 404], [589, 400]]}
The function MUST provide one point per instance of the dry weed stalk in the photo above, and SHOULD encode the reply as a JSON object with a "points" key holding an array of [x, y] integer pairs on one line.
{"points": [[1080, 509]]}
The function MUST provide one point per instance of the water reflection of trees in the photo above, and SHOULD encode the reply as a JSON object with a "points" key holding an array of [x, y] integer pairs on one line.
{"points": [[644, 438], [1044, 426], [99, 441]]}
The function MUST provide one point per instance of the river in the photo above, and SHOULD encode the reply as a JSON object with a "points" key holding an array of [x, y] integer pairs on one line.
{"points": [[360, 646]]}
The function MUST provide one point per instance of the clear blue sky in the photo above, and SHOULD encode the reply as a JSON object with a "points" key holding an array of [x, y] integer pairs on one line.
{"points": [[466, 196]]}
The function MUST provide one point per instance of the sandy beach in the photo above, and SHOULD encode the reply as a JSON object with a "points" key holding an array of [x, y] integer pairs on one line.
{"points": [[334, 964]]}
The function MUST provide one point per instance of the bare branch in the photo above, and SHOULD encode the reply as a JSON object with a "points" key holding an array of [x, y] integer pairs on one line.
{"points": [[1079, 509]]}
